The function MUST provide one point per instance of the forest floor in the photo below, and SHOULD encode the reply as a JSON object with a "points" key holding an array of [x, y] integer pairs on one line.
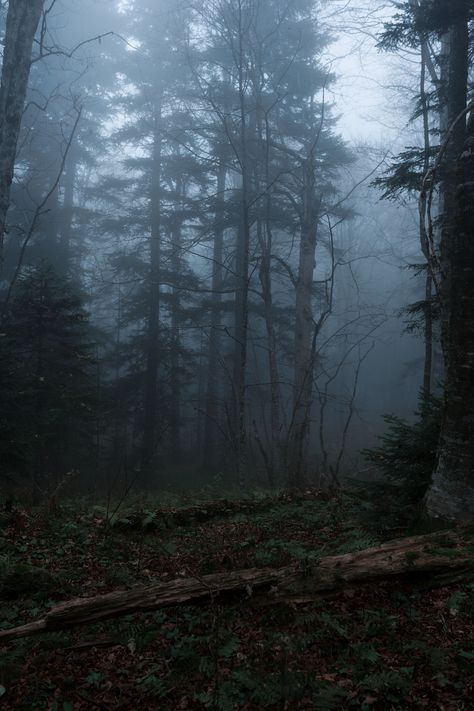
{"points": [[385, 645]]}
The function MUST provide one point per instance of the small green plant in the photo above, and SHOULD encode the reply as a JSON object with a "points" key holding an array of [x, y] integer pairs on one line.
{"points": [[379, 623], [94, 678], [153, 685], [461, 603], [392, 686], [405, 460], [365, 655], [328, 697], [334, 625]]}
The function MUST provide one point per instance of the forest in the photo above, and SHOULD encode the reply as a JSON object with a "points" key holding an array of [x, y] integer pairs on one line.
{"points": [[237, 354]]}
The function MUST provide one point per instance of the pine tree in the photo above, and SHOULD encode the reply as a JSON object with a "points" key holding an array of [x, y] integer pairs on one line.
{"points": [[47, 371], [405, 459], [286, 157]]}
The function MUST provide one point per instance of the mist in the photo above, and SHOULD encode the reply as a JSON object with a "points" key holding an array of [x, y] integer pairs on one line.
{"points": [[236, 354], [201, 181]]}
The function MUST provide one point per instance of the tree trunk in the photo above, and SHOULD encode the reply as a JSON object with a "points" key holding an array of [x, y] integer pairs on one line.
{"points": [[274, 456], [211, 417], [175, 355], [265, 275], [150, 413], [241, 311], [22, 22], [304, 333], [66, 227], [455, 88], [433, 557], [424, 243], [451, 494]]}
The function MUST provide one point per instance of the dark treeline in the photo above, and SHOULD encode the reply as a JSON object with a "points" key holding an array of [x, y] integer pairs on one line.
{"points": [[189, 269]]}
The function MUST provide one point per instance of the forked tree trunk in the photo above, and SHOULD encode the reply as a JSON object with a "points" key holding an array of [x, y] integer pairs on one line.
{"points": [[438, 557], [22, 22]]}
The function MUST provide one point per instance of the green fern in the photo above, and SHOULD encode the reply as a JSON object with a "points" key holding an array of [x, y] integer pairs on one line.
{"points": [[329, 698], [154, 685]]}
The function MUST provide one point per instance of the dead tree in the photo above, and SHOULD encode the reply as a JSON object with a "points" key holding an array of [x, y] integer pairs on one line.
{"points": [[436, 558]]}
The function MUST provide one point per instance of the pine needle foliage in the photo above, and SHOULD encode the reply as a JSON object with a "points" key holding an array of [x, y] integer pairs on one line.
{"points": [[405, 460], [46, 377]]}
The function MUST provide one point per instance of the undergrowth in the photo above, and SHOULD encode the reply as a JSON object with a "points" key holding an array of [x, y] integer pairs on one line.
{"points": [[405, 461], [375, 647]]}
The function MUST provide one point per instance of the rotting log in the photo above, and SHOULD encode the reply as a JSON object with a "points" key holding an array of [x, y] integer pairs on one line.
{"points": [[429, 556]]}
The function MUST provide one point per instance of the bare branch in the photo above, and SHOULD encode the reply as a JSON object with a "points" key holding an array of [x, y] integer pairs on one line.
{"points": [[37, 214]]}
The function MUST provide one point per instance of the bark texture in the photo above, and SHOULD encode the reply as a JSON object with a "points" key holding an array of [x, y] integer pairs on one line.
{"points": [[150, 402], [241, 306], [451, 495], [304, 348], [22, 22], [211, 420], [431, 556]]}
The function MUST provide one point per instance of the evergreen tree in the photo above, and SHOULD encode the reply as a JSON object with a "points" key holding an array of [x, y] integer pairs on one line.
{"points": [[271, 111], [405, 458], [47, 372]]}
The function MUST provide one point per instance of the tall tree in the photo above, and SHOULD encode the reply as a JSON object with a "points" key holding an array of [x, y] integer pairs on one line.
{"points": [[451, 494], [452, 491], [47, 379], [286, 158]]}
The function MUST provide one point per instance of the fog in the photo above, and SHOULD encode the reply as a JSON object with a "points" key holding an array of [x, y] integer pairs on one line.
{"points": [[180, 167]]}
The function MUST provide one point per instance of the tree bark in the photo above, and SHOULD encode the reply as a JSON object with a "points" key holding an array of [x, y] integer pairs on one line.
{"points": [[67, 213], [424, 242], [451, 494], [22, 22], [175, 344], [265, 275], [241, 309], [304, 332], [150, 413], [211, 417], [433, 555]]}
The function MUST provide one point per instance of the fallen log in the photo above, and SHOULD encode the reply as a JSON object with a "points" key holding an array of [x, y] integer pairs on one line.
{"points": [[431, 555]]}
